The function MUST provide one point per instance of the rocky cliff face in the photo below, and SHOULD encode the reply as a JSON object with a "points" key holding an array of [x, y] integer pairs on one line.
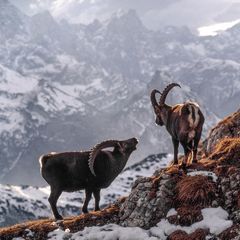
{"points": [[202, 202], [229, 127]]}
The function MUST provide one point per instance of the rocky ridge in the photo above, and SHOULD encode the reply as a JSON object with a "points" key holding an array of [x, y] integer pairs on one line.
{"points": [[58, 80], [171, 204]]}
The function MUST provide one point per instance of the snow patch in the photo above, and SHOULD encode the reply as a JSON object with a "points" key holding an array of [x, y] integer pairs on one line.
{"points": [[214, 219], [204, 173], [213, 30]]}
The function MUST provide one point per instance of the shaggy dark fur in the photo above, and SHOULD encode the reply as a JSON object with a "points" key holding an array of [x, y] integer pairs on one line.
{"points": [[183, 122], [89, 170]]}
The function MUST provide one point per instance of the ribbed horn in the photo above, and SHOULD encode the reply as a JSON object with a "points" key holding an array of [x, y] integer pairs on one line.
{"points": [[95, 151], [166, 91], [153, 98]]}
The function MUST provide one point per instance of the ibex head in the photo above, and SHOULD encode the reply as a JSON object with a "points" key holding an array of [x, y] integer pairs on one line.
{"points": [[125, 147], [159, 108], [128, 146]]}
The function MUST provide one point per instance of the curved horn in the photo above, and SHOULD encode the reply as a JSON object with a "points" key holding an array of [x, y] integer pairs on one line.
{"points": [[95, 151], [166, 91], [153, 98]]}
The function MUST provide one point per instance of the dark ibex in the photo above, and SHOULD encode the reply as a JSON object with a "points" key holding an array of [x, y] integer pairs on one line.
{"points": [[184, 123], [89, 170]]}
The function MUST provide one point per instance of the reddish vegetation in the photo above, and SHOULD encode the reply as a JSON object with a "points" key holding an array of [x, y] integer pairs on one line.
{"points": [[230, 122], [230, 233], [186, 216], [192, 193], [227, 152], [199, 234], [178, 235], [41, 228], [195, 191], [228, 127]]}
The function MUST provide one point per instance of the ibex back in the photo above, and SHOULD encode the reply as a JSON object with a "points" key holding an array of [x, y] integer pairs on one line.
{"points": [[89, 170], [184, 123]]}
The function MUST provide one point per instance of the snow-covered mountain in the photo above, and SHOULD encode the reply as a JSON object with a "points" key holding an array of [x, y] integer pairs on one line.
{"points": [[20, 203], [69, 86]]}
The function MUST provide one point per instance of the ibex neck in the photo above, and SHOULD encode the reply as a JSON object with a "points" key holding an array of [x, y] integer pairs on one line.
{"points": [[165, 109], [119, 162]]}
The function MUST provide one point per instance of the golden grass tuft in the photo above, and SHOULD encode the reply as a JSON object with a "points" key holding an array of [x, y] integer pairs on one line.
{"points": [[227, 152], [229, 120], [41, 228], [195, 191]]}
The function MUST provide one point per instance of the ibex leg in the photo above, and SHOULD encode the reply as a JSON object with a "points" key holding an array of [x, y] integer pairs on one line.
{"points": [[195, 148], [96, 194], [175, 146], [88, 196], [54, 195], [187, 151]]}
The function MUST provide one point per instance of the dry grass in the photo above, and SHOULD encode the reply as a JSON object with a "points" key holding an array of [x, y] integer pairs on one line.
{"points": [[227, 152], [230, 233], [178, 235], [195, 191], [41, 228], [186, 216], [173, 170], [199, 234], [229, 121]]}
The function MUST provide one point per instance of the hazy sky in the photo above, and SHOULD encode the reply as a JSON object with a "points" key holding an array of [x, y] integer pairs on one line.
{"points": [[154, 13]]}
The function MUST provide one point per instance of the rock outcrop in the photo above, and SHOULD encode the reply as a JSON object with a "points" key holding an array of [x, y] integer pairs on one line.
{"points": [[212, 183], [150, 200], [229, 127]]}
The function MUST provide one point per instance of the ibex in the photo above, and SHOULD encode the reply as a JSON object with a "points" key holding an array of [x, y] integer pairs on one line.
{"points": [[184, 123], [90, 170]]}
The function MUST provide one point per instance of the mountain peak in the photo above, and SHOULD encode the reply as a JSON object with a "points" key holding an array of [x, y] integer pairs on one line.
{"points": [[12, 20], [125, 19], [159, 80], [121, 13], [44, 16]]}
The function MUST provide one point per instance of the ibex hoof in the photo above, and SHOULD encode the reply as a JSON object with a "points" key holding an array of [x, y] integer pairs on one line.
{"points": [[84, 211], [58, 218], [183, 166]]}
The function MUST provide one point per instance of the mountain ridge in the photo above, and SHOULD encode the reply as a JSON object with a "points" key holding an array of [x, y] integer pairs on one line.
{"points": [[198, 203], [98, 80]]}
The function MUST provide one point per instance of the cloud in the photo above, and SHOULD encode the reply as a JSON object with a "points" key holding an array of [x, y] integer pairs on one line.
{"points": [[83, 11], [87, 10], [154, 13], [230, 13], [188, 12]]}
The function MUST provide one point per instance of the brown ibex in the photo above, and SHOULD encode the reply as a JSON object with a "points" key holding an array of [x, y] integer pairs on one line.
{"points": [[89, 170], [184, 123]]}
